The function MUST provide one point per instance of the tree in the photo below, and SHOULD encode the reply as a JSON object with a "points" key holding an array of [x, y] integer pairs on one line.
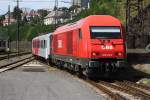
{"points": [[25, 19], [17, 13], [66, 13], [36, 20], [42, 12], [64, 9], [1, 19], [55, 8]]}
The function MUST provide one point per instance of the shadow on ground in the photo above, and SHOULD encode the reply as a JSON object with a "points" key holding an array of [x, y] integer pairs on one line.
{"points": [[138, 58], [130, 73]]}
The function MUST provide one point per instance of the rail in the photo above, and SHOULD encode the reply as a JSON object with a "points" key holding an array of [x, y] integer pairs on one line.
{"points": [[12, 55], [15, 64]]}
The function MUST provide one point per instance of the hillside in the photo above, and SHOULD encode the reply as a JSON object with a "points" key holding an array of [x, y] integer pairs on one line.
{"points": [[27, 31], [104, 7], [107, 7]]}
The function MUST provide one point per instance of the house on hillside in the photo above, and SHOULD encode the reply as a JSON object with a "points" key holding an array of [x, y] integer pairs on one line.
{"points": [[50, 18], [83, 4], [30, 14], [8, 21]]}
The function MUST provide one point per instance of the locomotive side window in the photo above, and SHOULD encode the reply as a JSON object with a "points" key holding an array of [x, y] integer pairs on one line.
{"points": [[105, 32], [80, 34]]}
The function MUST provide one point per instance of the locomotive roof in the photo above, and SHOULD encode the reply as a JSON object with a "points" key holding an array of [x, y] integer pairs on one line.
{"points": [[101, 19]]}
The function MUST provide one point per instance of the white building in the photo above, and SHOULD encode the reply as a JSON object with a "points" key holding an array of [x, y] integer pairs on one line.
{"points": [[76, 2], [84, 4], [8, 21], [50, 18]]}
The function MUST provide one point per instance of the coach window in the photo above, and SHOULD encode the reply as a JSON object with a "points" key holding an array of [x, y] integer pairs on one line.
{"points": [[41, 43], [44, 43], [80, 34], [36, 44], [3, 44], [33, 44]]}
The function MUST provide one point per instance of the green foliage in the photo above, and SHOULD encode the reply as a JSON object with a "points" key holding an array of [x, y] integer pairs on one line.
{"points": [[102, 7], [115, 8], [2, 17], [27, 31], [17, 13], [3, 32]]}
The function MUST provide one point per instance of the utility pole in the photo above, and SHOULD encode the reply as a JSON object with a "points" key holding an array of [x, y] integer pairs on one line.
{"points": [[56, 13], [8, 42], [18, 26]]}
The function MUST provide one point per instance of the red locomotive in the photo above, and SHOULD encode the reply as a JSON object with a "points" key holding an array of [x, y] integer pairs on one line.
{"points": [[94, 45]]}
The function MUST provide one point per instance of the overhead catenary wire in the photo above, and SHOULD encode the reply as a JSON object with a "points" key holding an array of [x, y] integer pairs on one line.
{"points": [[29, 0]]}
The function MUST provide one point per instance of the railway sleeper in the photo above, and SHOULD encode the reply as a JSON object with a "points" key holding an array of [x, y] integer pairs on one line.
{"points": [[138, 85], [125, 90], [135, 91]]}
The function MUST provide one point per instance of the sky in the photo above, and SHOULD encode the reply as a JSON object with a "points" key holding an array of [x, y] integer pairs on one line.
{"points": [[33, 4]]}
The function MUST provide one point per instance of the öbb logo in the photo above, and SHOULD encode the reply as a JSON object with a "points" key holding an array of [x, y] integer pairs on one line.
{"points": [[107, 47]]}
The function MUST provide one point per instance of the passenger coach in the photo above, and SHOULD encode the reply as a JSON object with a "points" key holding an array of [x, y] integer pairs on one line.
{"points": [[41, 46], [93, 46]]}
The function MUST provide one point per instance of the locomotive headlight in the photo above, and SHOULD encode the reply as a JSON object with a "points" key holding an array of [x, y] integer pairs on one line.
{"points": [[94, 53], [119, 54]]}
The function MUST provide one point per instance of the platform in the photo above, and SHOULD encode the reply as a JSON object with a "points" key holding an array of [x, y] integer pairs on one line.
{"points": [[38, 82]]}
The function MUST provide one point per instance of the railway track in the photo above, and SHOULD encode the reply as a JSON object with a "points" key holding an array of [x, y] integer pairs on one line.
{"points": [[15, 64], [127, 89], [140, 86], [134, 90], [112, 95], [118, 90], [5, 56]]}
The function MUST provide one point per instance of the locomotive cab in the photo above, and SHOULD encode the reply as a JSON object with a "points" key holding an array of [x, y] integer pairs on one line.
{"points": [[107, 48], [107, 42], [106, 45]]}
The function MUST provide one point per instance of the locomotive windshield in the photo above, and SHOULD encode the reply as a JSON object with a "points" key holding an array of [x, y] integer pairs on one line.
{"points": [[105, 32]]}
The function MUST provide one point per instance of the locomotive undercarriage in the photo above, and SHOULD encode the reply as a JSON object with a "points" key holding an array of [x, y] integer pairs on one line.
{"points": [[103, 68], [90, 68]]}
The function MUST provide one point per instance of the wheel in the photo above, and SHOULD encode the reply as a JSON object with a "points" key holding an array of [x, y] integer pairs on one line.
{"points": [[78, 71], [48, 62]]}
